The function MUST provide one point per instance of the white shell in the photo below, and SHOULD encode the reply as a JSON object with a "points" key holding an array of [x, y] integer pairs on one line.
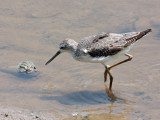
{"points": [[26, 67]]}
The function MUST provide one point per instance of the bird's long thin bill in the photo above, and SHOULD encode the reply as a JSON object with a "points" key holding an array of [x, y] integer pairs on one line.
{"points": [[53, 57]]}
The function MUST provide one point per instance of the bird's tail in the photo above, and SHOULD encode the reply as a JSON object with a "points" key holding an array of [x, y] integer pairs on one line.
{"points": [[143, 33], [136, 36]]}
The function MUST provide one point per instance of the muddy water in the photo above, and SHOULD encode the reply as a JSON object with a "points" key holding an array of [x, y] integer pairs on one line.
{"points": [[67, 89]]}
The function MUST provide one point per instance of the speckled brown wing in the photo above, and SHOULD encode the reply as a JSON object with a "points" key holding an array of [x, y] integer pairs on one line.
{"points": [[87, 42], [113, 43], [106, 46]]}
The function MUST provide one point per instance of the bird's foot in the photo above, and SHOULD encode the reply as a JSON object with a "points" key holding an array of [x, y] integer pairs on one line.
{"points": [[110, 93]]}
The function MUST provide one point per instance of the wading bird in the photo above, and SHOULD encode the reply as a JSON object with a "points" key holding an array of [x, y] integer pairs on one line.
{"points": [[101, 48]]}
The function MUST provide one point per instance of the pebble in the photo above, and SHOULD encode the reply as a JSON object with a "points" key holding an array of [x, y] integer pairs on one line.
{"points": [[26, 67], [74, 114]]}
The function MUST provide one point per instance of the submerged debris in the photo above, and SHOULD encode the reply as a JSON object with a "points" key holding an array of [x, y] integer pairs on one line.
{"points": [[75, 114], [48, 87], [26, 67]]}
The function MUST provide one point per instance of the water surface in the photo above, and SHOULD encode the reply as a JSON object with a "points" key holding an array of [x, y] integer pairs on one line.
{"points": [[68, 89]]}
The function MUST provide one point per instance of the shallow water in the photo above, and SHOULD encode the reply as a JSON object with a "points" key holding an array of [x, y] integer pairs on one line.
{"points": [[67, 89]]}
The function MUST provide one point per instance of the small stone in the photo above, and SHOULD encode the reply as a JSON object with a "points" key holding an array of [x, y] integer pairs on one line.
{"points": [[86, 116], [74, 114], [48, 87], [20, 112], [32, 114], [26, 67], [6, 115]]}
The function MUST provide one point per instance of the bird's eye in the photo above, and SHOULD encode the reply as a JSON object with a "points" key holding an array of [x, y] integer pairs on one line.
{"points": [[62, 47]]}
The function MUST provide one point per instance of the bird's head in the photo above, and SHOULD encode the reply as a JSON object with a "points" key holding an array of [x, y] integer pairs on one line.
{"points": [[68, 45]]}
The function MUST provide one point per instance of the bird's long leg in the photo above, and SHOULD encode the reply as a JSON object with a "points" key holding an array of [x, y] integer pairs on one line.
{"points": [[105, 75], [126, 60], [110, 75], [107, 70]]}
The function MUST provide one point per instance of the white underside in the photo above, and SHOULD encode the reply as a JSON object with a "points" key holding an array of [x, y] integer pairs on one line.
{"points": [[104, 60]]}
